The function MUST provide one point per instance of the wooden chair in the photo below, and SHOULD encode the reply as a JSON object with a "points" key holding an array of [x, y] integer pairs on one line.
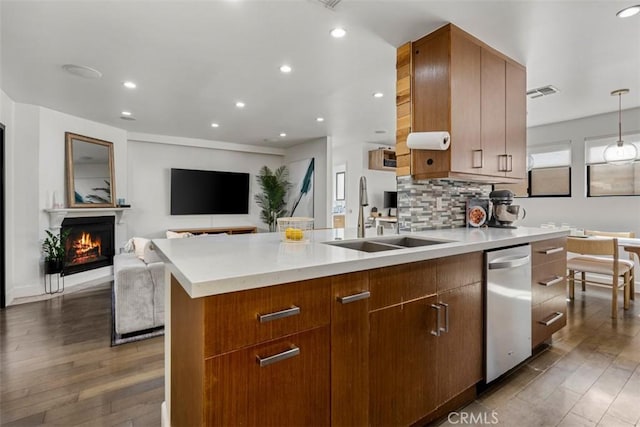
{"points": [[593, 261], [623, 234]]}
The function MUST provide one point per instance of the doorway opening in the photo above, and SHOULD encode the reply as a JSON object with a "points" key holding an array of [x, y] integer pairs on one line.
{"points": [[3, 249]]}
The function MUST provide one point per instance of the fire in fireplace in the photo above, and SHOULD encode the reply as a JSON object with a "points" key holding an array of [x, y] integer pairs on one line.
{"points": [[90, 243]]}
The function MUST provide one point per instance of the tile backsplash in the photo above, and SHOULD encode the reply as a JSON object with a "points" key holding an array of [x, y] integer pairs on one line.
{"points": [[418, 208]]}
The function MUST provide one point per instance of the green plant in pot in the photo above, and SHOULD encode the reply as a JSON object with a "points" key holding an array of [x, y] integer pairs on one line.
{"points": [[272, 200], [54, 249]]}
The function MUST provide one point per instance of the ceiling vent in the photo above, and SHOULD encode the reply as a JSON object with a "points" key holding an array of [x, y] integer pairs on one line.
{"points": [[329, 4], [542, 91]]}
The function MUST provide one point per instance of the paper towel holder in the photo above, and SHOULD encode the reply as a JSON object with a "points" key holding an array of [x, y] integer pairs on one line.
{"points": [[433, 140]]}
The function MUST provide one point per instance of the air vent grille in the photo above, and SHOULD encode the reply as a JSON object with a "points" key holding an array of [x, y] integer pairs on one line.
{"points": [[329, 4], [542, 91]]}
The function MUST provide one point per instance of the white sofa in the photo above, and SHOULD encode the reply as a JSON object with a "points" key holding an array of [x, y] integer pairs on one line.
{"points": [[138, 293]]}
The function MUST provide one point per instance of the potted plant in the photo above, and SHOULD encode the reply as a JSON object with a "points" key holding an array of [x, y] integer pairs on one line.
{"points": [[54, 249], [272, 200]]}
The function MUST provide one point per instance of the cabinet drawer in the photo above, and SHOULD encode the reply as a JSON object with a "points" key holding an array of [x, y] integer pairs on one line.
{"points": [[548, 281], [245, 318], [281, 382], [548, 251], [547, 318], [399, 283], [461, 270]]}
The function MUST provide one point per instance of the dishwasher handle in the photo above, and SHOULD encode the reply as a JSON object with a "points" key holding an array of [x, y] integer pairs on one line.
{"points": [[509, 262]]}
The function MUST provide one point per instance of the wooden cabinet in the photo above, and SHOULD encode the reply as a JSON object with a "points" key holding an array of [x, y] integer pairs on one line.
{"points": [[382, 159], [548, 288], [459, 84], [389, 346], [350, 349], [426, 337]]}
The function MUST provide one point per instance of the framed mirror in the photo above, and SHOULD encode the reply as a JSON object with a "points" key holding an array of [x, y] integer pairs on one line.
{"points": [[89, 170]]}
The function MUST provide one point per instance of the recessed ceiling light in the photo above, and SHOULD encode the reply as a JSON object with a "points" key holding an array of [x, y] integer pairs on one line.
{"points": [[338, 33], [628, 11], [126, 113], [215, 125], [378, 95], [285, 69], [240, 104], [283, 134], [82, 71], [320, 119], [129, 85]]}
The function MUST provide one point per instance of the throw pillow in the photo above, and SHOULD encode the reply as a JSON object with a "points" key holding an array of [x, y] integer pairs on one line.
{"points": [[150, 254], [138, 246], [174, 235]]}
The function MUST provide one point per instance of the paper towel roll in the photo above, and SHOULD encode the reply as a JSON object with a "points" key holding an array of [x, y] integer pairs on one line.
{"points": [[429, 140]]}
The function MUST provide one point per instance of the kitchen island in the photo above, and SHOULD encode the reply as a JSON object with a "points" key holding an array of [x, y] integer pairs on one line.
{"points": [[264, 332]]}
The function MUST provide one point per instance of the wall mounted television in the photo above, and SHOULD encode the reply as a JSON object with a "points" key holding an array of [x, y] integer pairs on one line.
{"points": [[198, 192]]}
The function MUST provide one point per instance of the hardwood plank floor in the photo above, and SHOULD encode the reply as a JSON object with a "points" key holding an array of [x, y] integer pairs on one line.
{"points": [[57, 366], [590, 376]]}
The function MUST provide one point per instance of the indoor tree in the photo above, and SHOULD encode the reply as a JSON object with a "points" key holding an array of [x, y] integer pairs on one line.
{"points": [[272, 200]]}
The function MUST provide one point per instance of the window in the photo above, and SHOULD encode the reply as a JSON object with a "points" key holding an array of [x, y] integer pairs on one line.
{"points": [[340, 186], [549, 172], [611, 180]]}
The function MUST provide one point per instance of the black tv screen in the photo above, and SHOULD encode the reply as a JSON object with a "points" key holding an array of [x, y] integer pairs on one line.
{"points": [[390, 199], [195, 192]]}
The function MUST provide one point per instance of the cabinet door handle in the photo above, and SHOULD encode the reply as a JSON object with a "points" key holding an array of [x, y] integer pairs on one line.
{"points": [[551, 281], [478, 159], [502, 163], [437, 308], [551, 319], [354, 297], [264, 318], [446, 316], [509, 163], [287, 354], [550, 251]]}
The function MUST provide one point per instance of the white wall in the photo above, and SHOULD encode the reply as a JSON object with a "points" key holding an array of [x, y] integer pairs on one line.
{"points": [[149, 169], [599, 213], [355, 155], [320, 150], [35, 145]]}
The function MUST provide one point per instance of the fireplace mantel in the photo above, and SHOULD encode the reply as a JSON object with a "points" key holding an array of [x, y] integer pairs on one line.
{"points": [[56, 216]]}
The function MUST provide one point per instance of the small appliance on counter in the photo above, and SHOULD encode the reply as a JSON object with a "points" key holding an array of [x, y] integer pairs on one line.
{"points": [[503, 212]]}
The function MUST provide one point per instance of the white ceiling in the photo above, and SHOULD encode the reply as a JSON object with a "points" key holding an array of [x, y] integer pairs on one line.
{"points": [[192, 60]]}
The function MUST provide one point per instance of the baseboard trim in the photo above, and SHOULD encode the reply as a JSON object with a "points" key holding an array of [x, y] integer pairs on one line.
{"points": [[35, 293]]}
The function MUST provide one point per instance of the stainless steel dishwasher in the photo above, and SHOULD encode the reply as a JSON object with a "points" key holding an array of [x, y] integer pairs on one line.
{"points": [[508, 309]]}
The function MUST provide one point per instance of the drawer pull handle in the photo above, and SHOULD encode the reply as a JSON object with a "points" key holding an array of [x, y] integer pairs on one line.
{"points": [[264, 318], [446, 316], [551, 251], [287, 354], [551, 319], [551, 281], [354, 297], [439, 328]]}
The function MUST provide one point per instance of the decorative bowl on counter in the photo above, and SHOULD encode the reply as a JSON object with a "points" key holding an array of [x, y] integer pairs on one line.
{"points": [[295, 229]]}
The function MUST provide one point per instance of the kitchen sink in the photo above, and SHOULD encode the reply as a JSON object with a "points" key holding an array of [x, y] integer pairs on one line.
{"points": [[364, 246], [386, 244], [409, 242]]}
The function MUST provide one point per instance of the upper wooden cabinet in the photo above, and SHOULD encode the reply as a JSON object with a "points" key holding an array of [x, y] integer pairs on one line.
{"points": [[449, 80]]}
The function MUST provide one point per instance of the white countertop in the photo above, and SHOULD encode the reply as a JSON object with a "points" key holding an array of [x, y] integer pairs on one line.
{"points": [[216, 264]]}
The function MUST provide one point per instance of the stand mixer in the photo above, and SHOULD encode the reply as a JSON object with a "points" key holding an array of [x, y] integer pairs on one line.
{"points": [[503, 212]]}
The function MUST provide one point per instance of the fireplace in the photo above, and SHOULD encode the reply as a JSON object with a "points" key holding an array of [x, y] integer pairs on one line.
{"points": [[90, 243]]}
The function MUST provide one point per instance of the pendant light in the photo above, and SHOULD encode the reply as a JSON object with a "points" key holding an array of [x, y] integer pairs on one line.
{"points": [[619, 153]]}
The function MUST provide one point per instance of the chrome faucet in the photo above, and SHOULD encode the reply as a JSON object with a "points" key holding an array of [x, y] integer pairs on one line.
{"points": [[362, 202]]}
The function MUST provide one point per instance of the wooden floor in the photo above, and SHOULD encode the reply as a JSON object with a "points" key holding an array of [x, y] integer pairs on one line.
{"points": [[589, 377], [57, 368]]}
